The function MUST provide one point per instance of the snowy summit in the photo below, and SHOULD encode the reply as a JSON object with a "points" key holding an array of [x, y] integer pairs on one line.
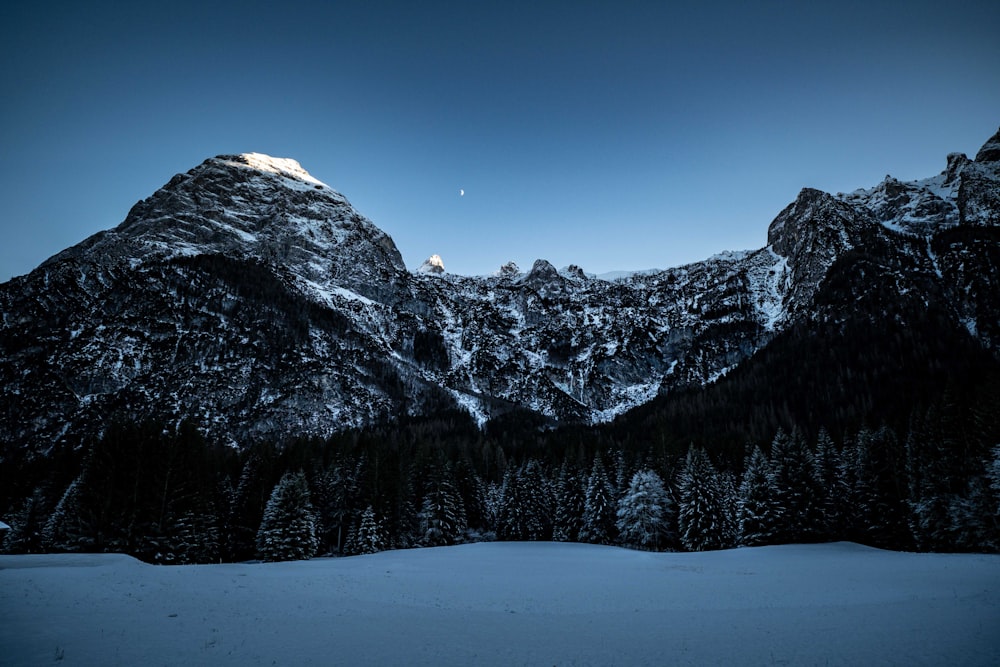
{"points": [[433, 265], [276, 165]]}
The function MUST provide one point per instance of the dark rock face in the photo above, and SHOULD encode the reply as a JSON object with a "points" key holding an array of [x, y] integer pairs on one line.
{"points": [[956, 163], [255, 301], [978, 196], [812, 232], [990, 152]]}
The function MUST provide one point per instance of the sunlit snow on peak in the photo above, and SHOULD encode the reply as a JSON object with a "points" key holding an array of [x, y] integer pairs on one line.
{"points": [[433, 265], [276, 165]]}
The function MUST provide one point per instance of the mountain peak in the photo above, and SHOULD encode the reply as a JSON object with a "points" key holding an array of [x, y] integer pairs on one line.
{"points": [[433, 265], [509, 270], [796, 220], [543, 269], [286, 167], [990, 152], [956, 163], [259, 207], [543, 277]]}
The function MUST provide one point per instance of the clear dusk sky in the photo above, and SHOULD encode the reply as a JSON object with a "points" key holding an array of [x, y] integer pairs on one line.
{"points": [[613, 135]]}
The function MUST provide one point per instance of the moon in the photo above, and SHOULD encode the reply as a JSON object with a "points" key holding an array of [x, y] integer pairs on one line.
{"points": [[461, 193]]}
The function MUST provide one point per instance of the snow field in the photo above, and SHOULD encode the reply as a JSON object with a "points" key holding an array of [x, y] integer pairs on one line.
{"points": [[509, 603]]}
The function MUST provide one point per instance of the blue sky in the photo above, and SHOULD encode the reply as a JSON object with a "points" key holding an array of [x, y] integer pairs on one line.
{"points": [[613, 135]]}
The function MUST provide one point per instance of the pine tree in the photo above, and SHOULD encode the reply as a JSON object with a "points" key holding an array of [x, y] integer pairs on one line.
{"points": [[833, 488], [946, 452], [469, 487], [26, 526], [254, 487], [757, 508], [643, 513], [880, 491], [974, 525], [796, 494], [570, 502], [730, 505], [66, 529], [442, 516], [493, 505], [537, 501], [931, 486], [512, 522], [600, 508], [370, 538], [288, 529], [336, 499], [993, 475], [195, 537], [702, 512], [620, 482], [405, 531]]}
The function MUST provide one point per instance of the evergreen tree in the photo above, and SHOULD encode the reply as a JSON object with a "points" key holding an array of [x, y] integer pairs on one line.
{"points": [[512, 522], [702, 512], [993, 475], [730, 505], [370, 538], [570, 503], [288, 529], [931, 484], [620, 481], [833, 488], [66, 529], [27, 524], [493, 498], [537, 501], [256, 483], [974, 525], [798, 516], [643, 513], [336, 499], [195, 537], [406, 522], [600, 508], [469, 487], [183, 514], [442, 516], [757, 508], [880, 491]]}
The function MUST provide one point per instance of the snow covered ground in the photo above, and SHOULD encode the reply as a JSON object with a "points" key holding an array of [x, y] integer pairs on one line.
{"points": [[509, 604]]}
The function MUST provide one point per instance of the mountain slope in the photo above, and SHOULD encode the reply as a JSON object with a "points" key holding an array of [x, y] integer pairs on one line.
{"points": [[253, 300]]}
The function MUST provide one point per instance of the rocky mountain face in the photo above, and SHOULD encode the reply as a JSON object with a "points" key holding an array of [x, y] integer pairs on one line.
{"points": [[253, 300]]}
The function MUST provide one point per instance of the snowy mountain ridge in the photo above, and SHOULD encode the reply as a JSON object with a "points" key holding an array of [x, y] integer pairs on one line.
{"points": [[252, 299]]}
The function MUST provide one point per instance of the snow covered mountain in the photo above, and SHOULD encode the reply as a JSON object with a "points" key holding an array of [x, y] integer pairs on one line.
{"points": [[253, 300]]}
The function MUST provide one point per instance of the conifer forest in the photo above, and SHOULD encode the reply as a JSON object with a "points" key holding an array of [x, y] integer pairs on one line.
{"points": [[167, 495]]}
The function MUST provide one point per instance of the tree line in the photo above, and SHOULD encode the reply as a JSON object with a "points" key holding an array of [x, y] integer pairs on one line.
{"points": [[168, 495]]}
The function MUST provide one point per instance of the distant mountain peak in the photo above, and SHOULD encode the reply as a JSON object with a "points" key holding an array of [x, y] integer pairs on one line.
{"points": [[433, 265], [956, 163], [542, 272], [509, 270]]}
